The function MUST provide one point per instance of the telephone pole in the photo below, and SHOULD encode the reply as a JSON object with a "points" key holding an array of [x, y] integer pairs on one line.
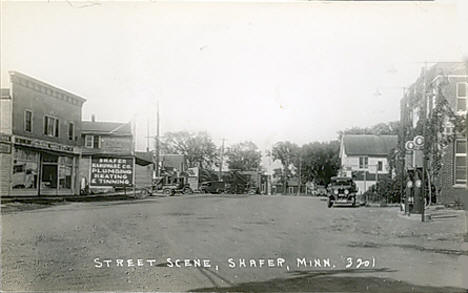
{"points": [[425, 157], [157, 140], [147, 136], [221, 161], [300, 176]]}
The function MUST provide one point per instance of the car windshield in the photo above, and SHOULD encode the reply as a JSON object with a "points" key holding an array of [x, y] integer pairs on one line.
{"points": [[342, 182]]}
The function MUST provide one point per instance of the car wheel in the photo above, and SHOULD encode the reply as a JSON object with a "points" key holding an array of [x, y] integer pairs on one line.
{"points": [[167, 191]]}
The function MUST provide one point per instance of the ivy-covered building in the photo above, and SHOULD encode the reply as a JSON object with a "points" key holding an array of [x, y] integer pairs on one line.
{"points": [[445, 86]]}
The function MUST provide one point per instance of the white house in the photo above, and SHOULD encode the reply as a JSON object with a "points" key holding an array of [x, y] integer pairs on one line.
{"points": [[364, 157]]}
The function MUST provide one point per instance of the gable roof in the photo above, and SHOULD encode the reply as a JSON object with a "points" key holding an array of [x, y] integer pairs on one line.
{"points": [[111, 128], [369, 145]]}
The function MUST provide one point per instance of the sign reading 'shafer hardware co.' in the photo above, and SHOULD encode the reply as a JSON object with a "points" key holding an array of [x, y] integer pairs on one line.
{"points": [[115, 172]]}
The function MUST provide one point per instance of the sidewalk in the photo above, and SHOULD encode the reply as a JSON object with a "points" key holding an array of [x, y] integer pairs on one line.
{"points": [[435, 212], [22, 203]]}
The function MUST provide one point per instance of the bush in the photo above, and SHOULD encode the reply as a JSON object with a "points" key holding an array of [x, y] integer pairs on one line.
{"points": [[387, 190]]}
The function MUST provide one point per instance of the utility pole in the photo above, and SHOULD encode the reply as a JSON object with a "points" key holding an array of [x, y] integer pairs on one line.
{"points": [[147, 136], [424, 168], [157, 140], [221, 162], [300, 176]]}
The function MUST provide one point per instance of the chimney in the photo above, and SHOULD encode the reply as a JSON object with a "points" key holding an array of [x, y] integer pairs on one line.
{"points": [[93, 118]]}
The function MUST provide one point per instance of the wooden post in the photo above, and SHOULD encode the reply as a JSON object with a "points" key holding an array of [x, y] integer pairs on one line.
{"points": [[133, 175], [425, 157]]}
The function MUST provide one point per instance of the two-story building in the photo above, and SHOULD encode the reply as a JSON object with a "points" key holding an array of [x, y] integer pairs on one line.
{"points": [[445, 86], [108, 160], [365, 158], [40, 138]]}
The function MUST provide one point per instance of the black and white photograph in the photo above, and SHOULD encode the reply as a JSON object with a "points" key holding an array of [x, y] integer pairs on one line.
{"points": [[234, 146]]}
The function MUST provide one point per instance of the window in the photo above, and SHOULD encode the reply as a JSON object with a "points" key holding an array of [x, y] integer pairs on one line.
{"points": [[97, 142], [71, 130], [50, 126], [56, 128], [25, 169], [28, 121], [461, 96], [92, 141], [379, 166], [89, 141], [460, 162], [363, 162]]}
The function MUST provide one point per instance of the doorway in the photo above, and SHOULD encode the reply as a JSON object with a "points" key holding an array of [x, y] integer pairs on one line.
{"points": [[49, 173]]}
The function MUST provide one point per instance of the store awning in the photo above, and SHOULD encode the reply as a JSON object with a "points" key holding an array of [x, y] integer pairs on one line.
{"points": [[142, 160]]}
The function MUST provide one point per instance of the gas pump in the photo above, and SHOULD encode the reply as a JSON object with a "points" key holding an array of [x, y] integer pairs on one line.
{"points": [[414, 168], [409, 196], [418, 202]]}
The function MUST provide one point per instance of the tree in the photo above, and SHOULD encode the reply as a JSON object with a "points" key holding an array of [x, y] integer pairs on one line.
{"points": [[287, 153], [320, 161], [389, 128], [198, 148], [244, 156]]}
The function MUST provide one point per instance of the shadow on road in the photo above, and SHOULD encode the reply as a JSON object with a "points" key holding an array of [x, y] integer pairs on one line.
{"points": [[329, 281]]}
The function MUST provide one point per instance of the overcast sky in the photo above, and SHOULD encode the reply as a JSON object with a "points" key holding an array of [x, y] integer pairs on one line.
{"points": [[243, 71]]}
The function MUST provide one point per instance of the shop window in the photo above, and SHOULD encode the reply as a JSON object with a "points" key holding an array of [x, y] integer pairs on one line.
{"points": [[28, 121], [25, 169], [71, 130], [65, 172], [460, 162], [363, 162], [461, 96]]}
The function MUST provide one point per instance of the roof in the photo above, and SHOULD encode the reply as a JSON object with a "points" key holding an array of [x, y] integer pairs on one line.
{"points": [[111, 128], [106, 152], [439, 69], [147, 156], [143, 158], [369, 145]]}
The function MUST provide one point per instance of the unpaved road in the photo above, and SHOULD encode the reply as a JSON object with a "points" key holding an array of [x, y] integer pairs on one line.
{"points": [[64, 247]]}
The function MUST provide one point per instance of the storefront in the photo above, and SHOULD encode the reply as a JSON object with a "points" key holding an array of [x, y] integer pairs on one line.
{"points": [[43, 168]]}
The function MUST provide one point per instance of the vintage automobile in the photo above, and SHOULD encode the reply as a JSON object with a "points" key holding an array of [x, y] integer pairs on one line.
{"points": [[341, 190], [212, 187], [321, 190]]}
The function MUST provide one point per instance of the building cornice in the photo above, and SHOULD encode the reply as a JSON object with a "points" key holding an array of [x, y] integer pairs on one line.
{"points": [[449, 76], [44, 88]]}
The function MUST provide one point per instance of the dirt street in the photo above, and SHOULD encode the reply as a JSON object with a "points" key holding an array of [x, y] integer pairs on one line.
{"points": [[230, 243]]}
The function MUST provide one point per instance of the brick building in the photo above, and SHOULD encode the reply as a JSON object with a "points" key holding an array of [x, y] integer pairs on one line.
{"points": [[443, 83], [40, 138]]}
